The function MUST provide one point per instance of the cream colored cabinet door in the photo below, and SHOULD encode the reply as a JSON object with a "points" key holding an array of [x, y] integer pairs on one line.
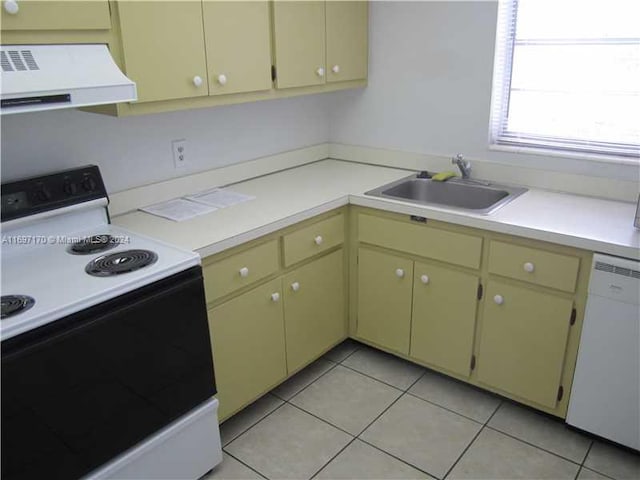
{"points": [[163, 46], [444, 317], [314, 309], [347, 40], [247, 336], [238, 46], [55, 15], [384, 299], [523, 342], [299, 34]]}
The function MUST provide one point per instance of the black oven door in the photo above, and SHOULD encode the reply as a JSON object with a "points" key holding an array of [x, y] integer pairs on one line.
{"points": [[81, 390]]}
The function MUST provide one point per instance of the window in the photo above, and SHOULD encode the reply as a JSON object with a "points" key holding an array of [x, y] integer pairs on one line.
{"points": [[567, 77]]}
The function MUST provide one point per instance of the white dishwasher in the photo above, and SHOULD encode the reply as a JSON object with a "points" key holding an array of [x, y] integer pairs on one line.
{"points": [[605, 397]]}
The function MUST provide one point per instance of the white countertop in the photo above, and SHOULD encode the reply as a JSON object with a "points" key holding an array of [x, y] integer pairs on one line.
{"points": [[290, 196]]}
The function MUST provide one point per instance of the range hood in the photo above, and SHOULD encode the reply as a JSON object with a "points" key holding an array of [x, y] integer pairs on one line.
{"points": [[49, 77]]}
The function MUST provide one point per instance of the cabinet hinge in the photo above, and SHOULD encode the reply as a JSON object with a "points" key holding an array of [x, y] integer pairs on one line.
{"points": [[572, 320], [473, 362], [480, 291], [273, 73], [560, 392]]}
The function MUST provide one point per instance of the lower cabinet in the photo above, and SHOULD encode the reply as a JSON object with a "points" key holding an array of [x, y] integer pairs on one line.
{"points": [[314, 309], [384, 299], [444, 317], [523, 342], [247, 335]]}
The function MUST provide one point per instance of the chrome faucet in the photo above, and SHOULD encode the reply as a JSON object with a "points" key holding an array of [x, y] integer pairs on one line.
{"points": [[463, 165]]}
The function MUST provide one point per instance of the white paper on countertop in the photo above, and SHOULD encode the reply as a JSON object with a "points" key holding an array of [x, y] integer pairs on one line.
{"points": [[219, 197], [179, 209]]}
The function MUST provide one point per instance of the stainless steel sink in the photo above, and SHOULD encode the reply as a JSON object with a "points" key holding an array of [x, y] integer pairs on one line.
{"points": [[472, 195]]}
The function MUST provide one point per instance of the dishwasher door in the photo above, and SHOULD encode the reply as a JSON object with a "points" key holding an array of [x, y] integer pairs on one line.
{"points": [[605, 396]]}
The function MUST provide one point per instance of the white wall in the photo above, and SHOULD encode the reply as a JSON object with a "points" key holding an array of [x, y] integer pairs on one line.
{"points": [[133, 151], [430, 73]]}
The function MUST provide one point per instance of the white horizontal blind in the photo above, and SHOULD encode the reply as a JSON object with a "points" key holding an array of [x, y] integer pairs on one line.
{"points": [[567, 76]]}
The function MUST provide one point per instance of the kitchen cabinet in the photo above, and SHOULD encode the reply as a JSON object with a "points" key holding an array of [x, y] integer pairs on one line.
{"points": [[237, 41], [163, 48], [275, 305], [55, 15], [247, 335], [385, 284], [444, 317], [347, 40], [317, 42], [499, 312], [185, 49], [523, 342], [314, 309], [240, 270], [299, 42]]}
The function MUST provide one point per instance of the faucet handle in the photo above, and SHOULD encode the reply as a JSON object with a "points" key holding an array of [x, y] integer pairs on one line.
{"points": [[458, 158]]}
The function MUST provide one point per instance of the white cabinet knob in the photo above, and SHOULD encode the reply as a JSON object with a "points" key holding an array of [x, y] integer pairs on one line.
{"points": [[318, 240], [275, 297], [11, 7], [499, 299], [335, 69], [320, 72], [197, 80], [424, 279], [529, 267], [295, 286], [222, 79], [399, 272], [244, 272]]}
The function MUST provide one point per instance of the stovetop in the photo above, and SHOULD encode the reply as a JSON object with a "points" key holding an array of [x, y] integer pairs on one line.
{"points": [[58, 281]]}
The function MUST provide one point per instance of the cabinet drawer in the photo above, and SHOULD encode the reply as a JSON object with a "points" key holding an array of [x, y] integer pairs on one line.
{"points": [[450, 247], [54, 15], [314, 239], [239, 270], [535, 266]]}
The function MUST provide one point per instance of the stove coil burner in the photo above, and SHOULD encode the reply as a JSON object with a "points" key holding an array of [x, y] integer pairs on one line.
{"points": [[120, 262], [14, 304], [94, 244]]}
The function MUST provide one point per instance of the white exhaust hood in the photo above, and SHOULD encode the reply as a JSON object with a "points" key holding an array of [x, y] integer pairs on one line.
{"points": [[50, 77]]}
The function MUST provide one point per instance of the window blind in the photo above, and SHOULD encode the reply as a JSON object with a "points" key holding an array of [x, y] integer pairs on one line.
{"points": [[567, 76]]}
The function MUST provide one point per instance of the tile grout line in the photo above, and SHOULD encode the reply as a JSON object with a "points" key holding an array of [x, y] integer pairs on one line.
{"points": [[449, 410], [285, 402], [307, 385], [377, 379], [359, 437], [333, 458], [533, 445], [472, 441], [256, 422], [248, 466], [584, 467], [355, 437]]}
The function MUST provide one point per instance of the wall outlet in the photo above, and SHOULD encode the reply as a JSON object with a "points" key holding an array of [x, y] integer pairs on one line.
{"points": [[179, 153]]}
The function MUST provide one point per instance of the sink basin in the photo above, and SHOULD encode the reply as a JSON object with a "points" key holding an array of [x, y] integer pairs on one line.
{"points": [[472, 195]]}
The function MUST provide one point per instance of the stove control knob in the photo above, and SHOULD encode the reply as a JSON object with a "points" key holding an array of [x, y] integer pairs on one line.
{"points": [[89, 184], [43, 194], [69, 188]]}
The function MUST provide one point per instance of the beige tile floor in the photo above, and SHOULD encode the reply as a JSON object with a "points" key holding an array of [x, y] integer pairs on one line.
{"points": [[358, 413]]}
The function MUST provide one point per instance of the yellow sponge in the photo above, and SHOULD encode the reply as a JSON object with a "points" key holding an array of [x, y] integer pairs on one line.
{"points": [[443, 176]]}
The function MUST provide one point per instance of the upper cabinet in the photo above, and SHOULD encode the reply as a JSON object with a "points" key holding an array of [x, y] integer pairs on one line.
{"points": [[299, 34], [201, 53], [347, 40], [320, 42], [237, 40], [229, 55], [163, 48], [55, 15]]}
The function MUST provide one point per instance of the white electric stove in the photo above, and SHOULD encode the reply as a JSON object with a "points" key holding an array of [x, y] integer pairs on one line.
{"points": [[106, 355]]}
